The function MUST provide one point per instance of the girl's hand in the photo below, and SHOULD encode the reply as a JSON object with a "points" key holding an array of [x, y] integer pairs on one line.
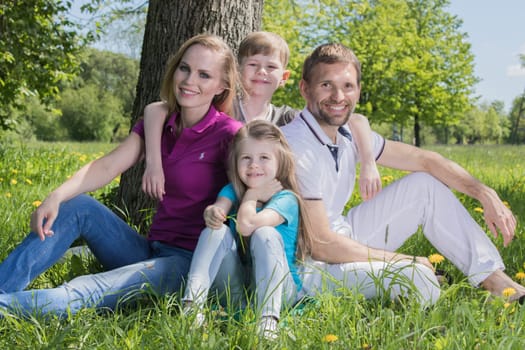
{"points": [[214, 216], [153, 181], [266, 191], [369, 180]]}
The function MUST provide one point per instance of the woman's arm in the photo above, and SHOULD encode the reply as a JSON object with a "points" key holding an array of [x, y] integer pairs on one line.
{"points": [[90, 177]]}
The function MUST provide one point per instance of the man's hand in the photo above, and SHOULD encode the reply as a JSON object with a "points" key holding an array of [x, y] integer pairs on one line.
{"points": [[498, 217]]}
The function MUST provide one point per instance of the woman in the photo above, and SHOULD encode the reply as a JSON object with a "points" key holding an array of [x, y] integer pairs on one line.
{"points": [[198, 87]]}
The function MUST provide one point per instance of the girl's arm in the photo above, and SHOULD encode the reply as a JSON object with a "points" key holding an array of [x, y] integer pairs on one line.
{"points": [[248, 219], [155, 115], [369, 180], [215, 214], [90, 177]]}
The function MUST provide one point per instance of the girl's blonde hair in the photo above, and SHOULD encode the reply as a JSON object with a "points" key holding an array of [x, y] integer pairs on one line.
{"points": [[267, 131], [230, 77]]}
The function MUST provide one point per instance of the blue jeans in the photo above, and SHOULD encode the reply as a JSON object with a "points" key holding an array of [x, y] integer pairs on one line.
{"points": [[133, 263]]}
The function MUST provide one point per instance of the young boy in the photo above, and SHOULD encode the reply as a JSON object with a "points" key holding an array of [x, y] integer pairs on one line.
{"points": [[262, 57]]}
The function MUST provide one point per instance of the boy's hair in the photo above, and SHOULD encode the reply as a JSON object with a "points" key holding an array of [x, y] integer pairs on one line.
{"points": [[330, 54], [265, 130], [265, 43], [230, 76]]}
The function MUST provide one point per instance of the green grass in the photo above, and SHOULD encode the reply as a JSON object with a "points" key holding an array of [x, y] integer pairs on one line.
{"points": [[463, 318]]}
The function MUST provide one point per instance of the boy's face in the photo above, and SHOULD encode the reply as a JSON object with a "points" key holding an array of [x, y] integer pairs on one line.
{"points": [[262, 74]]}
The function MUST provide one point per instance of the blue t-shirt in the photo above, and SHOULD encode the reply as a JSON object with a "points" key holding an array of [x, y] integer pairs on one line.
{"points": [[286, 205]]}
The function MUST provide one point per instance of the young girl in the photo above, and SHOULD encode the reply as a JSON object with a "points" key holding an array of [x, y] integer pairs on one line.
{"points": [[262, 198], [198, 87]]}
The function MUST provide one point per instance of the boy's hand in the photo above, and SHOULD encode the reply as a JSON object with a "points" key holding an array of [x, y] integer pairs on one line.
{"points": [[214, 216], [369, 181], [153, 182]]}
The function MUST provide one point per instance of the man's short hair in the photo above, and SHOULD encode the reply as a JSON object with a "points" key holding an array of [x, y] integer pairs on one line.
{"points": [[265, 43], [329, 54]]}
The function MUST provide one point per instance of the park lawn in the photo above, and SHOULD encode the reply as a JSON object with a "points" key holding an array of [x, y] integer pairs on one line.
{"points": [[463, 318]]}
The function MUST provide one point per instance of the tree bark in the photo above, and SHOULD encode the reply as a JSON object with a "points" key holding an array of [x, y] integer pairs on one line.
{"points": [[168, 25], [417, 130]]}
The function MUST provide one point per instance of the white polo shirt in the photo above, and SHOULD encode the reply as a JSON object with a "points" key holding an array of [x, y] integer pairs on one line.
{"points": [[318, 176]]}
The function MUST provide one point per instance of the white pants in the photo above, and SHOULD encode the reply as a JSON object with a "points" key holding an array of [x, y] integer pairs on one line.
{"points": [[393, 216], [216, 260]]}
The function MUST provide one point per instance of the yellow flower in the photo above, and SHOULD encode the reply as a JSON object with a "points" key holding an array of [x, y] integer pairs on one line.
{"points": [[478, 209], [8, 195], [330, 338], [506, 305], [82, 158], [387, 178], [29, 182], [14, 171], [13, 182], [505, 203], [507, 292], [36, 203], [436, 258], [520, 275]]}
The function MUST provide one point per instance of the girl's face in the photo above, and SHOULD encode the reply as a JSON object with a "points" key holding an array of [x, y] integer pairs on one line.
{"points": [[197, 79], [257, 162]]}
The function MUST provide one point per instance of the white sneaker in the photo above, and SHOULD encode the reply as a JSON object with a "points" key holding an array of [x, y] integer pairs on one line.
{"points": [[199, 317], [268, 328]]}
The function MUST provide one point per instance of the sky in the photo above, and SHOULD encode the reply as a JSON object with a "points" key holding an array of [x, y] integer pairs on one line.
{"points": [[496, 31]]}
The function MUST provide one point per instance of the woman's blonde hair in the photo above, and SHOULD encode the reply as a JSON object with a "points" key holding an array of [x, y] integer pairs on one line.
{"points": [[230, 77], [267, 131]]}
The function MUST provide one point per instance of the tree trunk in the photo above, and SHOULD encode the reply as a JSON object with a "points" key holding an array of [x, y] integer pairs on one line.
{"points": [[168, 25], [515, 128], [417, 129]]}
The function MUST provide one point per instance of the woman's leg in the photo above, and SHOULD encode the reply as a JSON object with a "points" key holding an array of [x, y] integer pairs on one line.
{"points": [[112, 241], [159, 275]]}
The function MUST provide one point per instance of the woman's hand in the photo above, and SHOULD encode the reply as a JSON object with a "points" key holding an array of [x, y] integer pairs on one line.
{"points": [[47, 211]]}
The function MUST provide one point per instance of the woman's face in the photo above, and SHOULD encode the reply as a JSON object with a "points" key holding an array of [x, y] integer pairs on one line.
{"points": [[197, 79], [257, 162]]}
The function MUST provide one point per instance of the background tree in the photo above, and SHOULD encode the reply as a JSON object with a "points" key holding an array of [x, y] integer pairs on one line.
{"points": [[517, 114], [38, 50], [168, 25]]}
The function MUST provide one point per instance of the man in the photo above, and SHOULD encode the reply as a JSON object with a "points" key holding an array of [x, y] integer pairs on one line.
{"points": [[357, 249]]}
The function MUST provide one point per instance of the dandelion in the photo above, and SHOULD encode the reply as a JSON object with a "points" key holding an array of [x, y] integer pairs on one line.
{"points": [[505, 203], [29, 182], [36, 203], [14, 171], [366, 346], [13, 182], [330, 338], [508, 292], [82, 158], [478, 209], [520, 275], [436, 259], [387, 178], [8, 195], [506, 305]]}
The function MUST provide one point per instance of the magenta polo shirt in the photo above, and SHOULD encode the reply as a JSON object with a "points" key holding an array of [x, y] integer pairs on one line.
{"points": [[195, 166]]}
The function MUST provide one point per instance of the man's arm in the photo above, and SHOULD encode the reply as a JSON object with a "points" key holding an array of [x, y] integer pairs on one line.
{"points": [[333, 248], [406, 157]]}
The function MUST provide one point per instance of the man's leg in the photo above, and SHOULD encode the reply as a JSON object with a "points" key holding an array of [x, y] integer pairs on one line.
{"points": [[112, 241], [373, 279], [395, 213]]}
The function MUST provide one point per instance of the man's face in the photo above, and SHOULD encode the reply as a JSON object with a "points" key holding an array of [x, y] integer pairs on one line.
{"points": [[332, 93]]}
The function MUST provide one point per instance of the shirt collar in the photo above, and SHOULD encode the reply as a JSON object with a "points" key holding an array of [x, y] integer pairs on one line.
{"points": [[205, 123], [319, 133]]}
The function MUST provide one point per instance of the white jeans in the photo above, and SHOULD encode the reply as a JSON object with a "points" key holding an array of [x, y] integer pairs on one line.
{"points": [[393, 216], [216, 260]]}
